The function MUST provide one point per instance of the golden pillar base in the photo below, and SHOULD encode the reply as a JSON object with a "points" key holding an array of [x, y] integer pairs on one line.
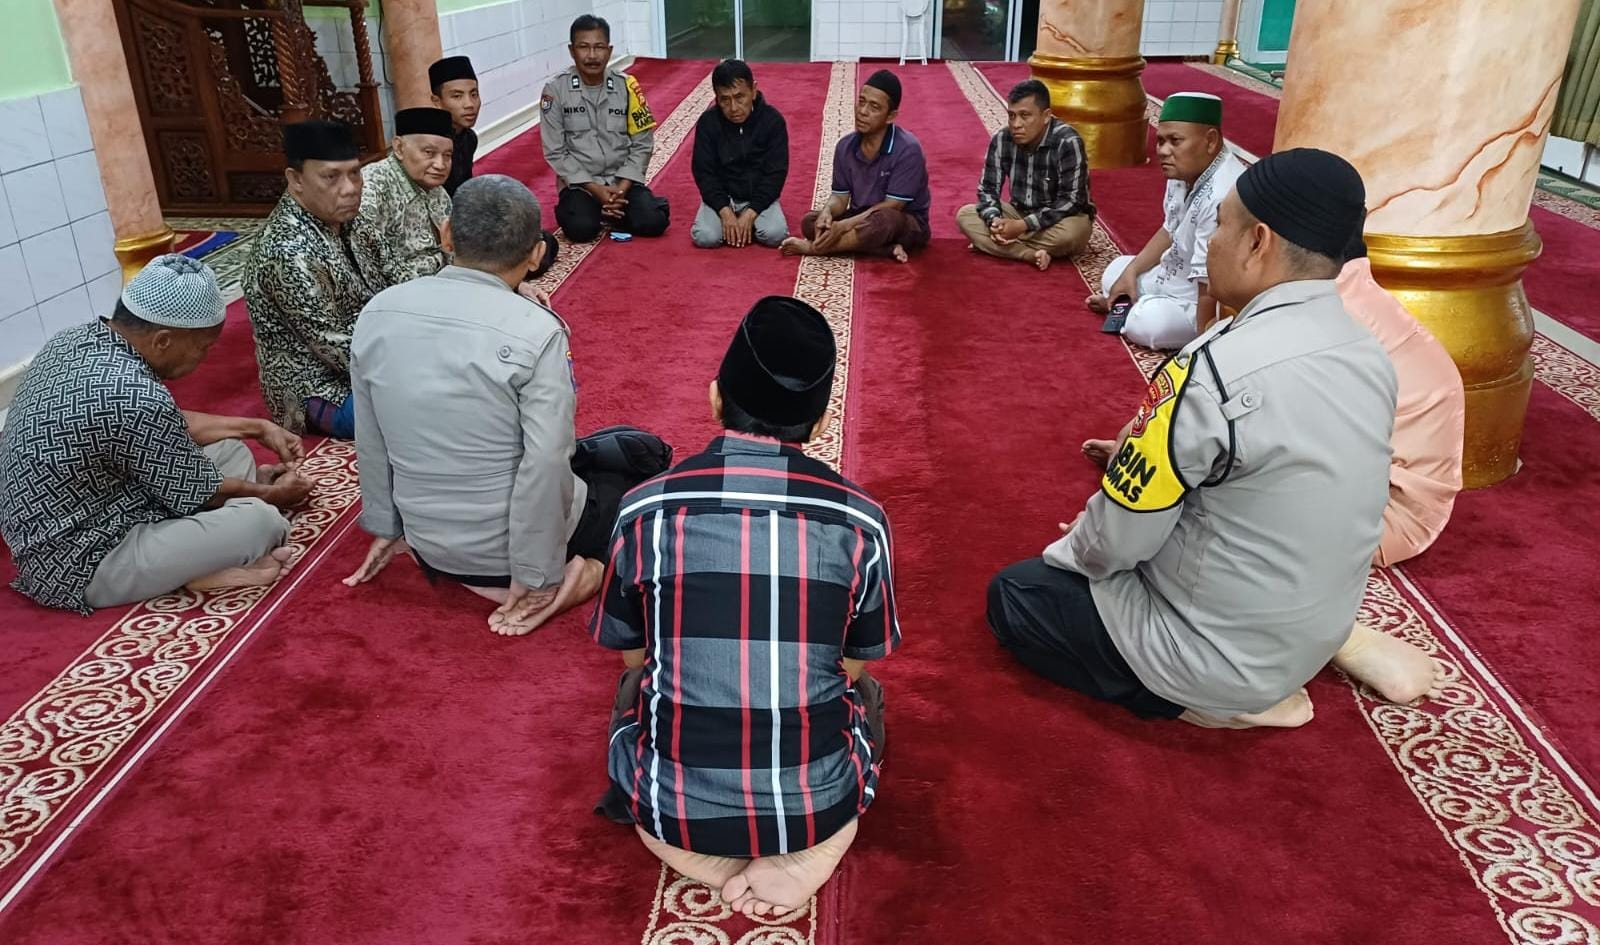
{"points": [[1104, 100], [1226, 49], [135, 251], [1468, 291]]}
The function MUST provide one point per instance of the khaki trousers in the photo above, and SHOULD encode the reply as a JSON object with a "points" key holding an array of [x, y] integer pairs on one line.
{"points": [[1063, 239], [160, 557]]}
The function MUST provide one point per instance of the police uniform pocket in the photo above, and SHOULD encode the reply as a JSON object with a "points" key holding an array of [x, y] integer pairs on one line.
{"points": [[518, 357]]}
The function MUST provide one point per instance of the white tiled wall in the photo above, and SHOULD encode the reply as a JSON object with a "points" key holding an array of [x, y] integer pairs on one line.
{"points": [[853, 29], [56, 263], [515, 46], [1181, 27]]}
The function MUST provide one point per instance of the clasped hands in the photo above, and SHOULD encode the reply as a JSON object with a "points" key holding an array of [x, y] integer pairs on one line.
{"points": [[737, 228], [613, 198], [1007, 231], [285, 486]]}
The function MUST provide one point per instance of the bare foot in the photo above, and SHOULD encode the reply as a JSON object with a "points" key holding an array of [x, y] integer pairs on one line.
{"points": [[714, 871], [258, 573], [795, 246], [776, 884], [899, 253], [1098, 303], [1292, 712], [1041, 259], [1389, 665], [1099, 451]]}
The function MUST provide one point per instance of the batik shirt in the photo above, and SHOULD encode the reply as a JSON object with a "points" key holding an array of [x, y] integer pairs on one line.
{"points": [[93, 446], [304, 287], [396, 233], [747, 574], [1190, 216]]}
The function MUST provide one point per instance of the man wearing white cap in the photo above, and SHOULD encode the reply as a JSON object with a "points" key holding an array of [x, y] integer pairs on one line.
{"points": [[110, 494], [1167, 281]]}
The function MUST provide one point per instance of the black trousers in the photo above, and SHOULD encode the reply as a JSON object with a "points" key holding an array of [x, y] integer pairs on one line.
{"points": [[579, 214], [1046, 617]]}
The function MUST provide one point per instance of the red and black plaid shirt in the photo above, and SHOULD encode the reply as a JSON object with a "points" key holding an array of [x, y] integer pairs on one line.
{"points": [[748, 574]]}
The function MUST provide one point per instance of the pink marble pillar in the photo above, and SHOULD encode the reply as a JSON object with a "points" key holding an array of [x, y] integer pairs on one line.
{"points": [[411, 33], [99, 66], [1444, 106], [1088, 56]]}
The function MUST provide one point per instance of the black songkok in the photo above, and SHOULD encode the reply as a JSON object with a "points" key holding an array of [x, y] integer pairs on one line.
{"points": [[449, 69], [889, 84], [423, 121], [1311, 198], [779, 368], [319, 140]]}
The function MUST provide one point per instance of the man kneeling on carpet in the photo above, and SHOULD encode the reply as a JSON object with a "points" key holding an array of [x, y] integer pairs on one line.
{"points": [[1167, 281], [109, 494], [751, 583], [464, 424], [880, 200], [1221, 564]]}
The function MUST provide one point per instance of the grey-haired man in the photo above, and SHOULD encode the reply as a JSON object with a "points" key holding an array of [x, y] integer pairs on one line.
{"points": [[110, 494]]}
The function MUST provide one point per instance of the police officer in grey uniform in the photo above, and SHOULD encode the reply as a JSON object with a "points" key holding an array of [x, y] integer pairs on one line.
{"points": [[598, 134], [1222, 562]]}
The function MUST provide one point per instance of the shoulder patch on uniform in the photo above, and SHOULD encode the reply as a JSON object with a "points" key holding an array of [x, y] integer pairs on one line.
{"points": [[611, 82], [545, 101], [1142, 476], [573, 82], [639, 118]]}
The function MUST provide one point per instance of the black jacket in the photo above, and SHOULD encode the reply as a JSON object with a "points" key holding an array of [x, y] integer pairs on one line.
{"points": [[747, 162], [466, 141]]}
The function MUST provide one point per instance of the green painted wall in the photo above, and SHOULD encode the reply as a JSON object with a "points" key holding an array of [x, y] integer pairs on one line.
{"points": [[1277, 19], [456, 6], [33, 58]]}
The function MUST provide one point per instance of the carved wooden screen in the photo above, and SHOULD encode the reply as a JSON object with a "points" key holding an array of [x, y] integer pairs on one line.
{"points": [[216, 80]]}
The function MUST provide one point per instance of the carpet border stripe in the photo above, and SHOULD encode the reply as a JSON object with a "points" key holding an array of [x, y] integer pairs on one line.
{"points": [[1519, 828]]}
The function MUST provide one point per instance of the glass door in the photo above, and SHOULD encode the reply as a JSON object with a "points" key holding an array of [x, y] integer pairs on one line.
{"points": [[754, 30], [701, 29], [979, 30], [775, 30]]}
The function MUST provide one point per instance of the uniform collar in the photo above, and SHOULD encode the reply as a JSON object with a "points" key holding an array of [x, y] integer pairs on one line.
{"points": [[1283, 294], [475, 276]]}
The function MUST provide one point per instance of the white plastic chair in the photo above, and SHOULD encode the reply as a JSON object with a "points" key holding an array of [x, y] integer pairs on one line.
{"points": [[912, 23]]}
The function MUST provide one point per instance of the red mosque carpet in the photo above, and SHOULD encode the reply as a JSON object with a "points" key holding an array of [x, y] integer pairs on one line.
{"points": [[326, 765]]}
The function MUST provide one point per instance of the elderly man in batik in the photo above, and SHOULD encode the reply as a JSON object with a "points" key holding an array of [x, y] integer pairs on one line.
{"points": [[404, 203]]}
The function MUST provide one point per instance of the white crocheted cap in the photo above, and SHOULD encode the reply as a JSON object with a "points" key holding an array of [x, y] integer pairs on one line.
{"points": [[175, 291]]}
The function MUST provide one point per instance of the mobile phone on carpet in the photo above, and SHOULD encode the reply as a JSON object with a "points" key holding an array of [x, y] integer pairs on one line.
{"points": [[621, 237], [1118, 316]]}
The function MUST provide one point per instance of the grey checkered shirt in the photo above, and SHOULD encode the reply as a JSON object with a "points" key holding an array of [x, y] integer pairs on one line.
{"points": [[1048, 183]]}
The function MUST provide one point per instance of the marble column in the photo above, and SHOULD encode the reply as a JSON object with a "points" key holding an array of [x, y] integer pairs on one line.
{"points": [[100, 68], [411, 33], [1450, 163], [1088, 55], [1227, 34]]}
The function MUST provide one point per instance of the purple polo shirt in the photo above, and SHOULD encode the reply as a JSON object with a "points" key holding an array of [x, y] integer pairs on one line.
{"points": [[899, 172]]}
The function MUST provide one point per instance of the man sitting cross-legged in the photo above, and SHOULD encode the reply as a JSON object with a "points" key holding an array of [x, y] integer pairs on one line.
{"points": [[880, 185], [1049, 215], [1222, 562], [465, 399], [751, 583], [1167, 280], [404, 203], [109, 494]]}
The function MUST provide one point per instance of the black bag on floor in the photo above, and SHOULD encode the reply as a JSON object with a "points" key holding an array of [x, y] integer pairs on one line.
{"points": [[623, 450]]}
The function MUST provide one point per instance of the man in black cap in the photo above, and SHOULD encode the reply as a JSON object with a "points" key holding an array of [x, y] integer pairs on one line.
{"points": [[404, 204], [305, 284], [1221, 564], [747, 588], [455, 89], [880, 185]]}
